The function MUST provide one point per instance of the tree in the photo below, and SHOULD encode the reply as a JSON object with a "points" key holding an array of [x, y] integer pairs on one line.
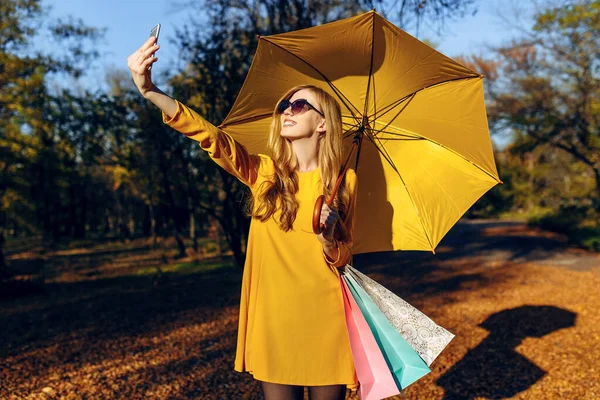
{"points": [[548, 87], [29, 154]]}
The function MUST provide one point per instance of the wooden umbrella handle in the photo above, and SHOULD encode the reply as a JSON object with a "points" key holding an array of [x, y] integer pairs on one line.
{"points": [[316, 222]]}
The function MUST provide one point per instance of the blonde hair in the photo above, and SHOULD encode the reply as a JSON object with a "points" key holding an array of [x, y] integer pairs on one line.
{"points": [[279, 193]]}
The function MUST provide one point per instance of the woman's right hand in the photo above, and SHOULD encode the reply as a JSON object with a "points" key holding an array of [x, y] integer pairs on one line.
{"points": [[139, 62]]}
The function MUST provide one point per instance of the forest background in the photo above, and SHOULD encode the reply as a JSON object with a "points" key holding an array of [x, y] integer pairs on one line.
{"points": [[80, 165]]}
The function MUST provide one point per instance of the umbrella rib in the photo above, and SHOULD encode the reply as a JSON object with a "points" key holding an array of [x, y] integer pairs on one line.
{"points": [[349, 134], [396, 116], [383, 152], [419, 137], [341, 96], [395, 103], [404, 138], [370, 66], [405, 187], [350, 127], [390, 107], [350, 130], [408, 135], [430, 140]]}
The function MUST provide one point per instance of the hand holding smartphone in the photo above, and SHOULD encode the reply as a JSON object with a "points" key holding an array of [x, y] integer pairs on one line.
{"points": [[154, 32]]}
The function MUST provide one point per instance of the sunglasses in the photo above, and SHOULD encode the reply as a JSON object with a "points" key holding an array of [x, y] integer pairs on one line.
{"points": [[297, 106]]}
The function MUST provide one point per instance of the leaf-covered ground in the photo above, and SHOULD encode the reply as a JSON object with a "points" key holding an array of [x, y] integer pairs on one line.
{"points": [[106, 325]]}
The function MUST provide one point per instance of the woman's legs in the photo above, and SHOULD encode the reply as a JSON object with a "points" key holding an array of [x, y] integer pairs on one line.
{"points": [[276, 391], [330, 392]]}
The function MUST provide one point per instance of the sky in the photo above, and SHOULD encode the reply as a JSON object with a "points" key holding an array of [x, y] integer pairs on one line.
{"points": [[128, 24]]}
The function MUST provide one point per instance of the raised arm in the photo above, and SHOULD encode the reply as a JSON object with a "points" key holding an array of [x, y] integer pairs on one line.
{"points": [[221, 147]]}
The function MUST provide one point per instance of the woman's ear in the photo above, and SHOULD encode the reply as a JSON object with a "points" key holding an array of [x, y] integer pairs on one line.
{"points": [[322, 128]]}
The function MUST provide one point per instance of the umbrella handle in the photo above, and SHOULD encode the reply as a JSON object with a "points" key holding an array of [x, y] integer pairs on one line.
{"points": [[316, 222], [317, 226]]}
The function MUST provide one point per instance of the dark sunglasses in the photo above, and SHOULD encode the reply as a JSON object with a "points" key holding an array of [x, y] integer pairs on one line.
{"points": [[298, 106]]}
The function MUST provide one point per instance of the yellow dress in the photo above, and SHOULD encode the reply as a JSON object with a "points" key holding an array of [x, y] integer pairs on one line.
{"points": [[292, 327]]}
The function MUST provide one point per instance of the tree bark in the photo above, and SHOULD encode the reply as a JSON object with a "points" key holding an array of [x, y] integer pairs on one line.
{"points": [[597, 176], [3, 266], [231, 220], [172, 209], [152, 224]]}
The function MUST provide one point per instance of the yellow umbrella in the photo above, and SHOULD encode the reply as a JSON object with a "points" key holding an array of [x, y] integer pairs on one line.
{"points": [[425, 154]]}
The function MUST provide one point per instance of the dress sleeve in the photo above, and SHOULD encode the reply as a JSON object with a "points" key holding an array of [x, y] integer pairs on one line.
{"points": [[220, 146], [345, 248]]}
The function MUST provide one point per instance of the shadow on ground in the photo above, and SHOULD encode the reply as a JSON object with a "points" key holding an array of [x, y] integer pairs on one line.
{"points": [[466, 255], [133, 336], [494, 369]]}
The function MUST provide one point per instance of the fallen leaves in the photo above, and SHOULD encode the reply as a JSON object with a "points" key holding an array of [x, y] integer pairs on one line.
{"points": [[120, 337]]}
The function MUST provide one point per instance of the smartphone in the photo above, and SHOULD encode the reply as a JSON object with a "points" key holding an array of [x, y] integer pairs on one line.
{"points": [[154, 32]]}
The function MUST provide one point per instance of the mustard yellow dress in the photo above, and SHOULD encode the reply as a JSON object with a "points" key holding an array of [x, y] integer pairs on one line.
{"points": [[292, 327]]}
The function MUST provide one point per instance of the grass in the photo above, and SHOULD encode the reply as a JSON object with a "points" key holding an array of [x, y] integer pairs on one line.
{"points": [[186, 268], [587, 238], [580, 224], [535, 212]]}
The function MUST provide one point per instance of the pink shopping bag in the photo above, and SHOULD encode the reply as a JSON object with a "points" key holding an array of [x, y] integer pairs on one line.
{"points": [[374, 376]]}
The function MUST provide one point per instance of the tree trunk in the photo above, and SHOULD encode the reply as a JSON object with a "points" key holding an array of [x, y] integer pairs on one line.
{"points": [[231, 220], [180, 244], [236, 247], [530, 168], [80, 231], [172, 209], [3, 266], [233, 240], [597, 176], [153, 224], [193, 234]]}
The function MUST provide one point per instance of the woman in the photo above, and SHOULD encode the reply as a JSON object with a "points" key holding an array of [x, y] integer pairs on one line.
{"points": [[292, 330]]}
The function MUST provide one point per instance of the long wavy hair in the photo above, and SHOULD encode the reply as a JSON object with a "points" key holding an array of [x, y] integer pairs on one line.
{"points": [[280, 191]]}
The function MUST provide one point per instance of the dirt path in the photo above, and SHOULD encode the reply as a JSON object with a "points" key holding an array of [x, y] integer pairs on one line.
{"points": [[521, 303], [523, 307]]}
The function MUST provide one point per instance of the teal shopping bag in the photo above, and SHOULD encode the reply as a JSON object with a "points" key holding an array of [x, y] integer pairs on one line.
{"points": [[403, 361]]}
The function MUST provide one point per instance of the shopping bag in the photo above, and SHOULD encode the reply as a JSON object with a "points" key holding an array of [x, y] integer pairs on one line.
{"points": [[404, 362], [376, 380], [426, 337]]}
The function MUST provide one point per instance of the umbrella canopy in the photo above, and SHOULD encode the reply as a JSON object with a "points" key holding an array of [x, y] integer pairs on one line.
{"points": [[426, 154]]}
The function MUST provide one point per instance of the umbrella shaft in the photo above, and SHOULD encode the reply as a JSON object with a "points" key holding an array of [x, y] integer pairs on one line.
{"points": [[342, 174]]}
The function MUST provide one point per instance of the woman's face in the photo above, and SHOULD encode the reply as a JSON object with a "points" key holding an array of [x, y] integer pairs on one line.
{"points": [[305, 123]]}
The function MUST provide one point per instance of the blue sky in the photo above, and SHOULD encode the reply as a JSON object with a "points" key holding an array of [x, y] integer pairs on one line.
{"points": [[128, 24]]}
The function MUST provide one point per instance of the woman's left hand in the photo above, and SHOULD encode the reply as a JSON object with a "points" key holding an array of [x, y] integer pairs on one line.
{"points": [[329, 217]]}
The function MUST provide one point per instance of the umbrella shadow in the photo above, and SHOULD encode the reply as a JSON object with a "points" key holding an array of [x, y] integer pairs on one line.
{"points": [[494, 369]]}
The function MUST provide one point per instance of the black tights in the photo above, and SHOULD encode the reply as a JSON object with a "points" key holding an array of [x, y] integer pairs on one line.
{"points": [[276, 391]]}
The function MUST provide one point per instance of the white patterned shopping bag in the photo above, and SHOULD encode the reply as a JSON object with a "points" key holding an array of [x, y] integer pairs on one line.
{"points": [[426, 337]]}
